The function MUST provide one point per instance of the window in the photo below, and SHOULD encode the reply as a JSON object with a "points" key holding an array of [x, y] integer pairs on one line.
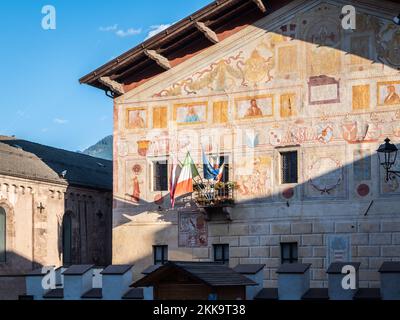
{"points": [[160, 176], [289, 167], [160, 254], [2, 235], [289, 252], [221, 253], [67, 239]]}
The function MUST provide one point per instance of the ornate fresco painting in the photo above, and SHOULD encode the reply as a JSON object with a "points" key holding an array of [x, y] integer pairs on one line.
{"points": [[254, 107], [323, 90], [362, 173], [190, 113], [135, 181], [339, 248], [388, 93], [254, 177], [160, 117], [361, 97], [192, 230], [288, 105], [325, 173], [136, 118], [287, 60], [220, 112]]}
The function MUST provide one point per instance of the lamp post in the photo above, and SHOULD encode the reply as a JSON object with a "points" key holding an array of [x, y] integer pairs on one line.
{"points": [[387, 154]]}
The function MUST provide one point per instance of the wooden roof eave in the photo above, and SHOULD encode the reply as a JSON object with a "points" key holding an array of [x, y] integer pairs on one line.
{"points": [[157, 42]]}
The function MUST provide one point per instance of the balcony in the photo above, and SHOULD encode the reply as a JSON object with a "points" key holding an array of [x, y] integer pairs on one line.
{"points": [[215, 198]]}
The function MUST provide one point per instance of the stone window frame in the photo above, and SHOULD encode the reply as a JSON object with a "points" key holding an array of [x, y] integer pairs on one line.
{"points": [[278, 160]]}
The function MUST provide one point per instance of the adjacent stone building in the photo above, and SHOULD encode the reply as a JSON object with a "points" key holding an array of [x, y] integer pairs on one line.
{"points": [[55, 209], [293, 104]]}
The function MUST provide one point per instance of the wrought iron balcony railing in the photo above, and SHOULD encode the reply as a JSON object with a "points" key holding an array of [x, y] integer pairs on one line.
{"points": [[218, 194]]}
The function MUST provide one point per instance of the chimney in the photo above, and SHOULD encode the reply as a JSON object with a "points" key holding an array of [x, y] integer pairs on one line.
{"points": [[78, 279], [116, 281], [390, 280], [335, 278], [293, 280], [34, 283], [255, 273]]}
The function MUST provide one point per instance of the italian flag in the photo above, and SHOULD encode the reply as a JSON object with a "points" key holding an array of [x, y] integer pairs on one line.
{"points": [[185, 180]]}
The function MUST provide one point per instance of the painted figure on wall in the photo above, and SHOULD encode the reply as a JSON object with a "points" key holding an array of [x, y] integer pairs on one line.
{"points": [[191, 113], [191, 116], [392, 96], [136, 119], [255, 107], [254, 177], [253, 110], [135, 183], [287, 105], [388, 93]]}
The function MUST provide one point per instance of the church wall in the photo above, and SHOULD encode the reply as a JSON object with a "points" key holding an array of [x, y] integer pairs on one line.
{"points": [[331, 94]]}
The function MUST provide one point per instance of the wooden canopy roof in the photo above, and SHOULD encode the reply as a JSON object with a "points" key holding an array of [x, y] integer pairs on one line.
{"points": [[209, 273], [183, 40]]}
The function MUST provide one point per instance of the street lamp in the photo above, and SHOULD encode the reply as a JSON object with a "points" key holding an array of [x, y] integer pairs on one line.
{"points": [[387, 154]]}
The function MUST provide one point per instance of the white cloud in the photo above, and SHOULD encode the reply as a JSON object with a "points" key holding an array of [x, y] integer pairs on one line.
{"points": [[109, 28], [128, 33], [60, 121], [157, 29]]}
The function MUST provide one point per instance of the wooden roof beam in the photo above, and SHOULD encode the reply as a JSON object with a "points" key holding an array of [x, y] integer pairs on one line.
{"points": [[209, 34], [162, 61], [260, 5], [113, 85]]}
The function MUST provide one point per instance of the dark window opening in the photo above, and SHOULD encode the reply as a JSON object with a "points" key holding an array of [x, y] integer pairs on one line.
{"points": [[289, 167], [160, 176], [289, 252], [2, 235], [160, 254], [221, 253]]}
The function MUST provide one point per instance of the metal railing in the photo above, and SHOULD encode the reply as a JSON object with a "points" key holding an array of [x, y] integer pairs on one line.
{"points": [[214, 194]]}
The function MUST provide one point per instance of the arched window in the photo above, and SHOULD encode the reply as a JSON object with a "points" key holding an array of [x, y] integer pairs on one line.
{"points": [[67, 239], [2, 235]]}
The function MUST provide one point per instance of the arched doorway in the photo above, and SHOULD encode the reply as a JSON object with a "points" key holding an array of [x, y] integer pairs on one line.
{"points": [[67, 238], [2, 234]]}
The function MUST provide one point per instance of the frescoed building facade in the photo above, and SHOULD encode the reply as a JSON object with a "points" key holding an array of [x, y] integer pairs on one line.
{"points": [[294, 104]]}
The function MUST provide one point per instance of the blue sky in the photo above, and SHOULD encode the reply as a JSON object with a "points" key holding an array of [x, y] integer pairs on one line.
{"points": [[42, 100]]}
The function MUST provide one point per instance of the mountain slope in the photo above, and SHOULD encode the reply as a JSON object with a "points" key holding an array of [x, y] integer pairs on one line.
{"points": [[102, 149]]}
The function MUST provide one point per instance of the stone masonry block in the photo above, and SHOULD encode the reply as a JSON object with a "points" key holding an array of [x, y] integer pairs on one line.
{"points": [[201, 253], [269, 240], [319, 252], [280, 228], [249, 241], [323, 227], [359, 239], [301, 228], [390, 226], [259, 229], [380, 238], [261, 252], [368, 227], [391, 251], [343, 227], [232, 241], [368, 251], [239, 252], [314, 239], [238, 229], [218, 230]]}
